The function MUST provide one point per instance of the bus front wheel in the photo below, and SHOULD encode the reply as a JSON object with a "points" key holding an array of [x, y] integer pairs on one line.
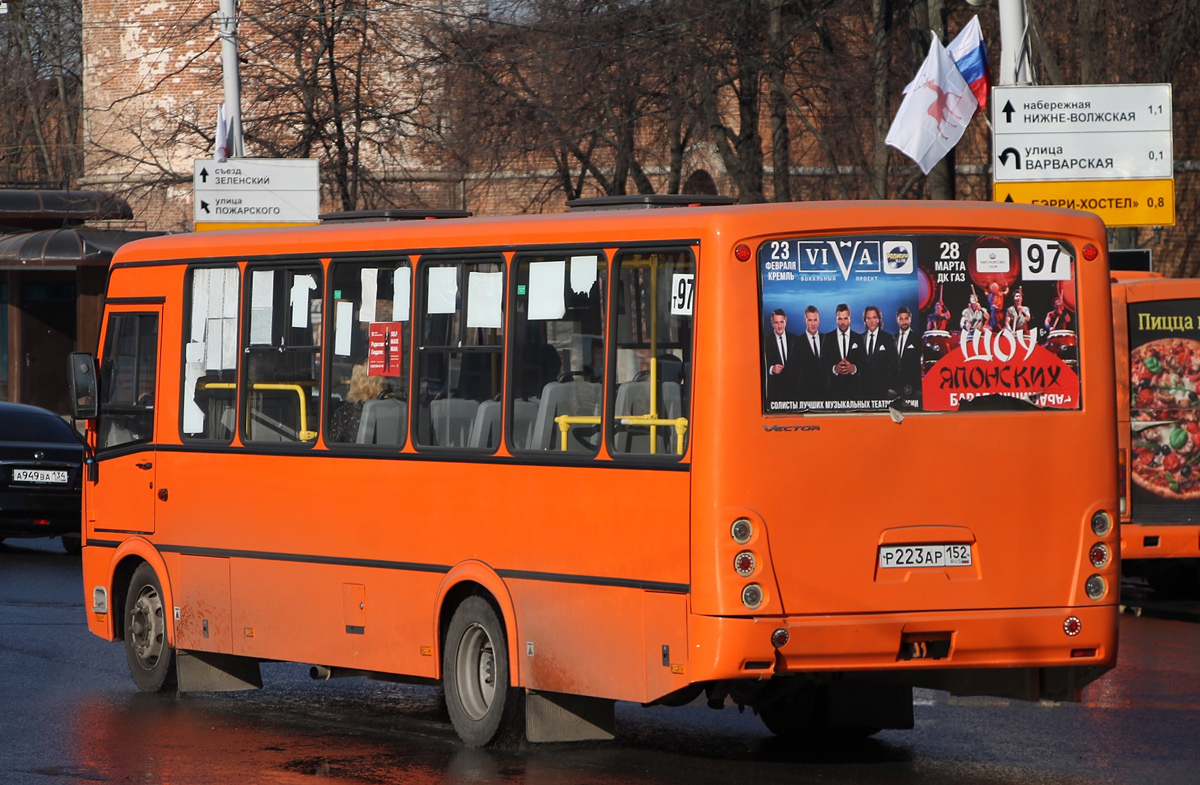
{"points": [[483, 708], [151, 660]]}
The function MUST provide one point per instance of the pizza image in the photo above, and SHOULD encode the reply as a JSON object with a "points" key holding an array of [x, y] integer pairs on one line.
{"points": [[1165, 417]]}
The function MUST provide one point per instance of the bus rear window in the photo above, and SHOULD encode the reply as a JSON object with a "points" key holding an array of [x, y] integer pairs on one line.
{"points": [[932, 322]]}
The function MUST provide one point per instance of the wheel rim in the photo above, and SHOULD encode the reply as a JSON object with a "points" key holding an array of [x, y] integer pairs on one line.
{"points": [[475, 672], [146, 627]]}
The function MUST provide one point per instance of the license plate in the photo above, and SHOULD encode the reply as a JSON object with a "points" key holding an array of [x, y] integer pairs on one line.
{"points": [[924, 556], [40, 476]]}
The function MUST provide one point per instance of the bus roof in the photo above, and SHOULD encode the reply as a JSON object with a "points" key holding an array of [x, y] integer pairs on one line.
{"points": [[742, 221]]}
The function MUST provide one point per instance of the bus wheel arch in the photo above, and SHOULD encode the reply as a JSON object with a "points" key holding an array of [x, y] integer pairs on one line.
{"points": [[475, 578], [484, 708], [145, 625], [131, 555]]}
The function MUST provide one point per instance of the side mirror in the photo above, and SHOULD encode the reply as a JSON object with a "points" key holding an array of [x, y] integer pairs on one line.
{"points": [[85, 388]]}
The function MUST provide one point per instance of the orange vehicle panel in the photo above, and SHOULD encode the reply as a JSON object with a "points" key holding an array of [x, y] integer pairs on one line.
{"points": [[614, 577]]}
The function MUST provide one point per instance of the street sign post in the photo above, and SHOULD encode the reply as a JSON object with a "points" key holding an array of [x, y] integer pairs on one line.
{"points": [[255, 191], [1102, 148]]}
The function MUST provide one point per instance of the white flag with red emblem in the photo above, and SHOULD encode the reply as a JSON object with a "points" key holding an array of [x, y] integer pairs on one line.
{"points": [[937, 106]]}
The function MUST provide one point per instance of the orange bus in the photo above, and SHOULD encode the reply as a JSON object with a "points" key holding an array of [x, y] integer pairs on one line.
{"points": [[1156, 324], [552, 462]]}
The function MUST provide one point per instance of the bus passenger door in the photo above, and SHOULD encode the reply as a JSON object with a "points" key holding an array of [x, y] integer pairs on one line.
{"points": [[122, 498]]}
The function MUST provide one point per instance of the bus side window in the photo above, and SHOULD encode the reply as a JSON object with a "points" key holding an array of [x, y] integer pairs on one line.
{"points": [[283, 354], [653, 353], [460, 355], [209, 407], [556, 393], [368, 385], [127, 379]]}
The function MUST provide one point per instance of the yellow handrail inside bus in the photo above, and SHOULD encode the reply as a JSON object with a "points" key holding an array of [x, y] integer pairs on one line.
{"points": [[565, 421], [680, 424], [303, 433]]}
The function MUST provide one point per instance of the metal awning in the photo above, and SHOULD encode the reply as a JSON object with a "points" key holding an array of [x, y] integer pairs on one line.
{"points": [[64, 247], [29, 210]]}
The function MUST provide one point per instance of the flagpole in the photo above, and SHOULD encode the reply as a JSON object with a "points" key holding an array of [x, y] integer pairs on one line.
{"points": [[230, 76]]}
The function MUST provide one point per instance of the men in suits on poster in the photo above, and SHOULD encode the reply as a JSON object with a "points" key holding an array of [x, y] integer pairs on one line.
{"points": [[782, 355], [841, 354], [812, 378], [908, 355], [877, 376]]}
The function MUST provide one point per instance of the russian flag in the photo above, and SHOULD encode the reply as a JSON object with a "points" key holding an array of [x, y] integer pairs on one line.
{"points": [[968, 52]]}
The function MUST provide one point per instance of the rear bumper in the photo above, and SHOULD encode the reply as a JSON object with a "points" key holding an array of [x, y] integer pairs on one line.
{"points": [[1159, 541], [737, 648], [39, 515]]}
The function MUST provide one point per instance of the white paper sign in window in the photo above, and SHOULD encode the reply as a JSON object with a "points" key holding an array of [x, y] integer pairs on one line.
{"points": [[193, 369], [683, 293], [343, 326], [370, 290], [443, 290], [262, 298], [485, 294], [546, 279], [301, 286], [583, 273], [401, 292]]}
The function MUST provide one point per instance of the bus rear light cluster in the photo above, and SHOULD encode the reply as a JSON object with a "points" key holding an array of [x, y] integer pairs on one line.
{"points": [[1098, 555], [752, 596], [1072, 625], [742, 253], [1090, 252], [1101, 523], [780, 637], [1095, 587], [744, 563], [741, 531]]}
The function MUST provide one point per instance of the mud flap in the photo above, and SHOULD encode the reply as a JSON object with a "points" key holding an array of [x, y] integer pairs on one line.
{"points": [[207, 672], [553, 716]]}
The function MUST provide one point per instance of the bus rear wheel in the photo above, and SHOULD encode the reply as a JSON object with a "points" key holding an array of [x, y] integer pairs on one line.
{"points": [[151, 660], [475, 672]]}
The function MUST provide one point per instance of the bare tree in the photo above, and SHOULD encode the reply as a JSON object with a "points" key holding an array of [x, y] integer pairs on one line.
{"points": [[41, 58]]}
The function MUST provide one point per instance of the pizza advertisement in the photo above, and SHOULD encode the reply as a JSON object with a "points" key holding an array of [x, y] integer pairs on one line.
{"points": [[924, 322], [1164, 412]]}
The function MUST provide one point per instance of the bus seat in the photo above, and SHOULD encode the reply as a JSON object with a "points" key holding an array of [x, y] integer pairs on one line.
{"points": [[571, 397], [524, 413], [633, 398], [383, 421], [485, 430], [451, 419]]}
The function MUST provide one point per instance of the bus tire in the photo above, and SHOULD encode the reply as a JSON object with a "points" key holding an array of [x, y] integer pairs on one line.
{"points": [[483, 708], [800, 719], [151, 659]]}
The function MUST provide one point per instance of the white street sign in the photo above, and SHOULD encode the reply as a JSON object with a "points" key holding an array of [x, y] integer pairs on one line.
{"points": [[1082, 132], [256, 190], [1082, 156]]}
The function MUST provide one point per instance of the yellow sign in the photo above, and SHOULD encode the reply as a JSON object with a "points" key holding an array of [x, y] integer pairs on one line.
{"points": [[205, 226], [1118, 202]]}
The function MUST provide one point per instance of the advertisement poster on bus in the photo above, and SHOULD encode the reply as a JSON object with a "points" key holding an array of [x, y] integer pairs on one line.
{"points": [[918, 322], [1164, 410]]}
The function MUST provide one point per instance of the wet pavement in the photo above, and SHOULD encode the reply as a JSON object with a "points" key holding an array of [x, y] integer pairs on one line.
{"points": [[69, 713]]}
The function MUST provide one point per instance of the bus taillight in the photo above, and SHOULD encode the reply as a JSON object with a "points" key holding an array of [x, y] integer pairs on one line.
{"points": [[1096, 587], [1101, 523], [1098, 555]]}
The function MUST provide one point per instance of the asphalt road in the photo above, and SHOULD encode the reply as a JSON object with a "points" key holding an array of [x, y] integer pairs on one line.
{"points": [[69, 713]]}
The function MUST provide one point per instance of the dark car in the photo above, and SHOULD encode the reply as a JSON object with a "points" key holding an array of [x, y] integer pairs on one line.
{"points": [[41, 463]]}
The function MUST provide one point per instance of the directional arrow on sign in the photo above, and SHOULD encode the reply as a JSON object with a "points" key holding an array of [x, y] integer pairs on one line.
{"points": [[1015, 154], [204, 175], [204, 206], [1008, 111]]}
